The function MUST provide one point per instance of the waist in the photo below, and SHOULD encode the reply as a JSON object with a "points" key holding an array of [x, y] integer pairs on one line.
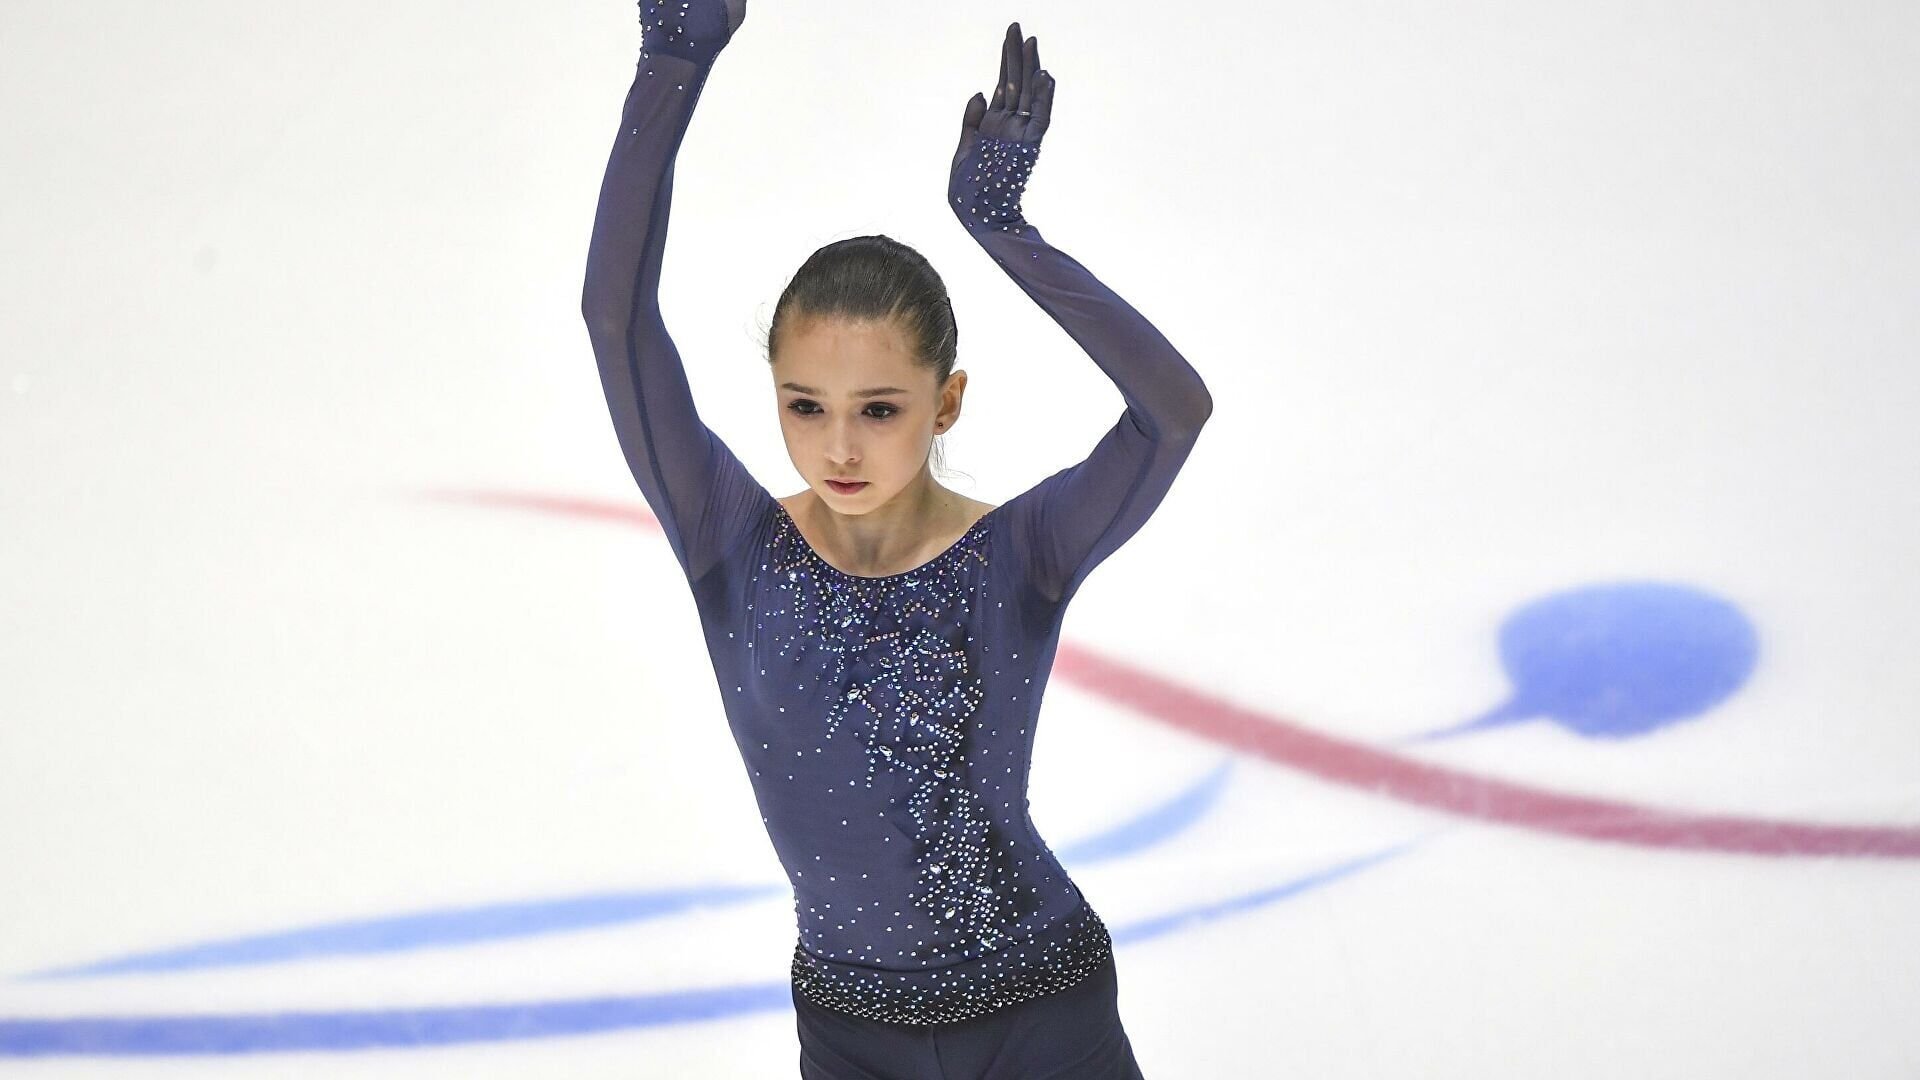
{"points": [[1050, 959]]}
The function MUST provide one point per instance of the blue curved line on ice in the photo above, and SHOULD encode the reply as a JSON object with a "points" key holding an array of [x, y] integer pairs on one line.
{"points": [[443, 1025], [366, 1029], [423, 930], [491, 922], [1145, 929], [1157, 825]]}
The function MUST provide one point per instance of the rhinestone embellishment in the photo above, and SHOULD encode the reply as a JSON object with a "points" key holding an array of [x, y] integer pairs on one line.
{"points": [[997, 171], [964, 928]]}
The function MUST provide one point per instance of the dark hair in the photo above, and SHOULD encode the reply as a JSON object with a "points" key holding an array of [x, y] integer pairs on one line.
{"points": [[873, 278]]}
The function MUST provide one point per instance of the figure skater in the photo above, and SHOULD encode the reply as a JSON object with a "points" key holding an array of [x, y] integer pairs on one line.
{"points": [[881, 643]]}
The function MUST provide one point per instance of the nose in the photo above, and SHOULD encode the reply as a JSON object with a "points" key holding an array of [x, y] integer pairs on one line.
{"points": [[841, 449]]}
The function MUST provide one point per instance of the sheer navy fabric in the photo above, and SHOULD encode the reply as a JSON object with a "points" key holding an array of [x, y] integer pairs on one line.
{"points": [[886, 722]]}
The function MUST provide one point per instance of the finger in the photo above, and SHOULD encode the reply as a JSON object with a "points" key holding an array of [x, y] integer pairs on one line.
{"points": [[970, 120], [969, 126], [1029, 63], [1042, 103], [999, 96], [1000, 80], [1010, 67]]}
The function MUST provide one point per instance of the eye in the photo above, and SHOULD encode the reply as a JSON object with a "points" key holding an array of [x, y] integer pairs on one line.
{"points": [[805, 407]]}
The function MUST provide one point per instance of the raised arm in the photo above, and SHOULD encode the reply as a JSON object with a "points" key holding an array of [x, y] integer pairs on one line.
{"points": [[700, 492], [1073, 519]]}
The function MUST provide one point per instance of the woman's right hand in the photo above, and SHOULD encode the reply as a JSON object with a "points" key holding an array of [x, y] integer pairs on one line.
{"points": [[694, 29]]}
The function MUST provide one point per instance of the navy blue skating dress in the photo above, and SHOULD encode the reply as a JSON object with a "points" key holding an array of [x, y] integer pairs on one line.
{"points": [[886, 723]]}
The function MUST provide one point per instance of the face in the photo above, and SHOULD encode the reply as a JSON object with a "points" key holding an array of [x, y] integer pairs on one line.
{"points": [[855, 404]]}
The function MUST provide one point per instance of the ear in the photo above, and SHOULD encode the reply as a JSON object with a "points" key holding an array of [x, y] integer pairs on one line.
{"points": [[952, 393]]}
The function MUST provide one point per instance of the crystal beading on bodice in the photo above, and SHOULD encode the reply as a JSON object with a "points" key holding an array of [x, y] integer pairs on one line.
{"points": [[897, 648], [905, 677]]}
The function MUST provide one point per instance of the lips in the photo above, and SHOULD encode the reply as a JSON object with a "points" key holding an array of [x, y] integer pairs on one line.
{"points": [[846, 487]]}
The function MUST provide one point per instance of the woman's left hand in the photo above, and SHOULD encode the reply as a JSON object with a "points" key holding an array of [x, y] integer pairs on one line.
{"points": [[1021, 107], [1022, 99]]}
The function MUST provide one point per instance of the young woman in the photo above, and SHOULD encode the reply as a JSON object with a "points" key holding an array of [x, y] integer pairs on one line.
{"points": [[881, 643]]}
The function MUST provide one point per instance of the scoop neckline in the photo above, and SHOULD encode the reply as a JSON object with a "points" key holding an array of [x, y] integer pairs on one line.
{"points": [[979, 523]]}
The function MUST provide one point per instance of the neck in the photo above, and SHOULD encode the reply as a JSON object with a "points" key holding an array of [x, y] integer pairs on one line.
{"points": [[895, 534]]}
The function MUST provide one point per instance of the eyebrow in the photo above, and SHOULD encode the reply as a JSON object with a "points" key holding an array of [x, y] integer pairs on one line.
{"points": [[871, 392]]}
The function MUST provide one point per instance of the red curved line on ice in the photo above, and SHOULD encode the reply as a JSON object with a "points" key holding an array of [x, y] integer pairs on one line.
{"points": [[1382, 772]]}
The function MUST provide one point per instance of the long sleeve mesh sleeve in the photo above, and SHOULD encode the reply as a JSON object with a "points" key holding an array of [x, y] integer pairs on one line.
{"points": [[1076, 517], [699, 491]]}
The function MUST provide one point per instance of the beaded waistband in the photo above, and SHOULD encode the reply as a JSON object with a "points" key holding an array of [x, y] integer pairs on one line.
{"points": [[1052, 960]]}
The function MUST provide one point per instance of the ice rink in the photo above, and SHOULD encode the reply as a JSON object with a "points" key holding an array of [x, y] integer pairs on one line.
{"points": [[1518, 681]]}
